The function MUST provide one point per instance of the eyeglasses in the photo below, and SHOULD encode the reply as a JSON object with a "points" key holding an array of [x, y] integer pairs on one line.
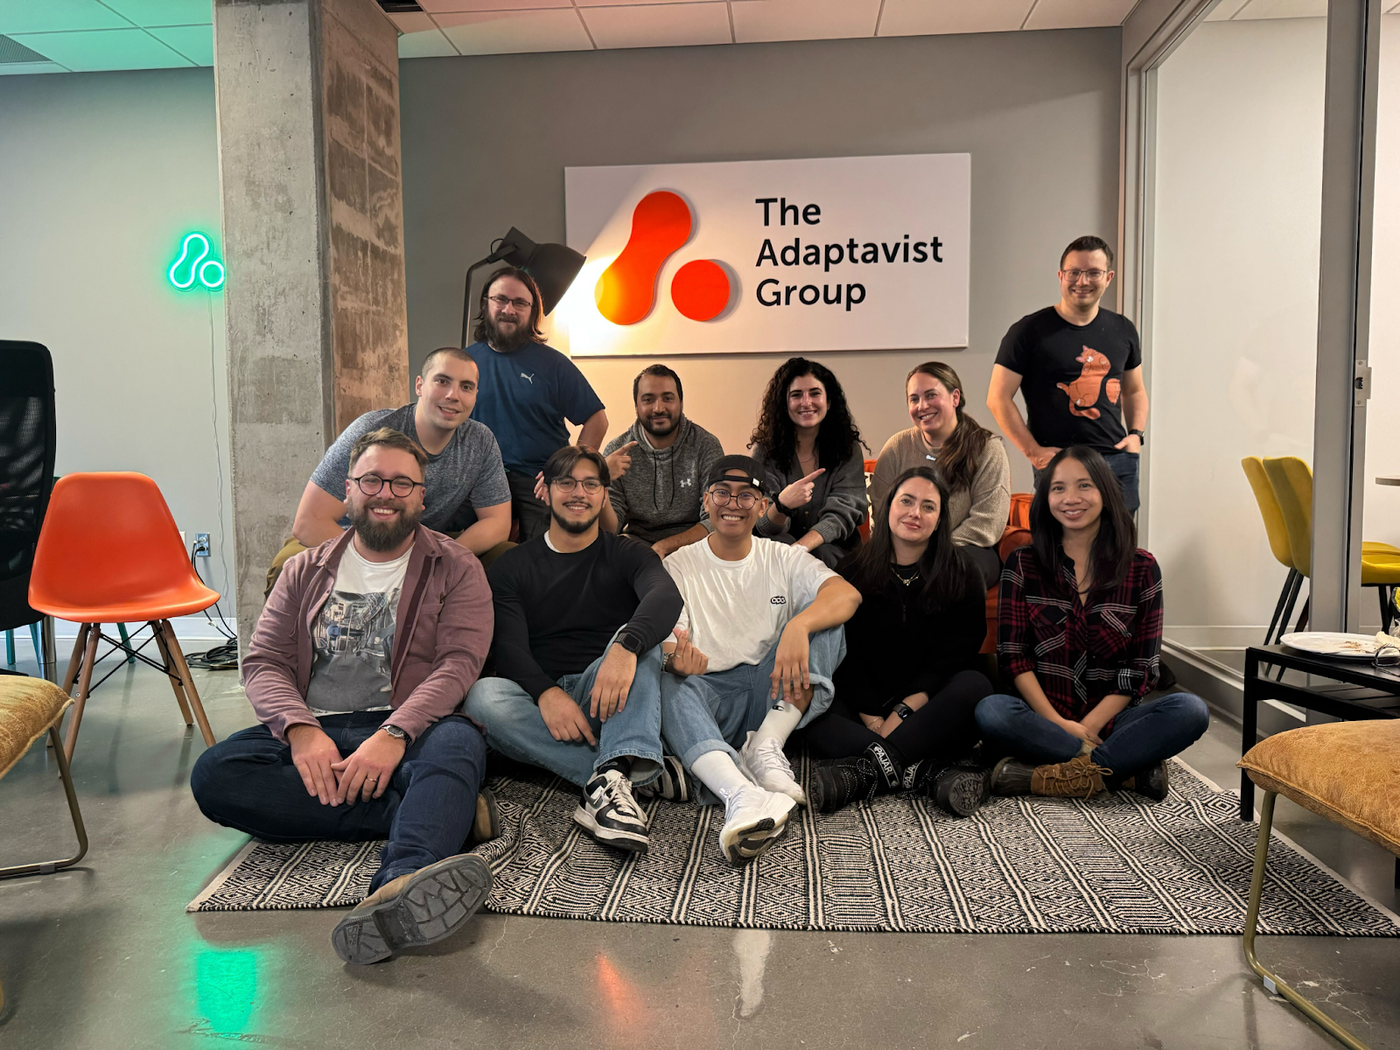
{"points": [[723, 497], [373, 484], [502, 300], [567, 485], [1093, 275]]}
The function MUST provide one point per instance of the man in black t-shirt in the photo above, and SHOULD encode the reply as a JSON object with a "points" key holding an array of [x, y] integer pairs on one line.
{"points": [[1079, 368], [580, 616]]}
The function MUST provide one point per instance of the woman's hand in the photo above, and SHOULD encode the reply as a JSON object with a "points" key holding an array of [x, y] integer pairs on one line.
{"points": [[799, 493], [1080, 730], [872, 722]]}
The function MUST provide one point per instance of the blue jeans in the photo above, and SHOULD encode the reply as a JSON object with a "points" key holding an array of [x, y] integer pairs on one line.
{"points": [[248, 782], [516, 729], [1142, 736], [1125, 468], [716, 711]]}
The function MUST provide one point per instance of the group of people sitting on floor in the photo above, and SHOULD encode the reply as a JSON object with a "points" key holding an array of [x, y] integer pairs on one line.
{"points": [[673, 617]]}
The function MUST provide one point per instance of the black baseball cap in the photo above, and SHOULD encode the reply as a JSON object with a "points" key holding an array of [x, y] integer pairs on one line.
{"points": [[726, 466]]}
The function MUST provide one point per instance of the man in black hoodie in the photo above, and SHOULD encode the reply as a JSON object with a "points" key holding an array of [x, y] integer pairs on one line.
{"points": [[658, 466]]}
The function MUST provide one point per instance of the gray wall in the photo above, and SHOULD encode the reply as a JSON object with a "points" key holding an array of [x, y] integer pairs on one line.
{"points": [[485, 142], [101, 174]]}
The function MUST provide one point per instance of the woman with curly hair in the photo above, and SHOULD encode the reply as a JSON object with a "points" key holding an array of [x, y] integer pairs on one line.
{"points": [[810, 448]]}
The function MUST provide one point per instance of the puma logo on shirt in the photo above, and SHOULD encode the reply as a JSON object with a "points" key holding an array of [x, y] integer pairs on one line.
{"points": [[531, 378]]}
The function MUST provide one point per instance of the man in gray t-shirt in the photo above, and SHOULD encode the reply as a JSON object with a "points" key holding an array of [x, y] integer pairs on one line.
{"points": [[466, 481]]}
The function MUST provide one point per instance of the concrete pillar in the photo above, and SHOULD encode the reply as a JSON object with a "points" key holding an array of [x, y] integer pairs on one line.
{"points": [[308, 108]]}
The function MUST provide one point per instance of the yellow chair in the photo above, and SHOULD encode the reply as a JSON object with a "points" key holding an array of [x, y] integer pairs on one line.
{"points": [[1348, 772], [1292, 482], [1277, 532], [29, 708]]}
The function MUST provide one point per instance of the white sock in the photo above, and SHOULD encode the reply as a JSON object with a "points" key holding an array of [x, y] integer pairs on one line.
{"points": [[718, 772], [779, 723]]}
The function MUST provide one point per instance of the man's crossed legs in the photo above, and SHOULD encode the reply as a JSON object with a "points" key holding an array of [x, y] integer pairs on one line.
{"points": [[617, 752], [729, 731], [426, 887]]}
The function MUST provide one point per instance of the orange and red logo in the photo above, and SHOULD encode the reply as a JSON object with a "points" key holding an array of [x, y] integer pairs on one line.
{"points": [[661, 225]]}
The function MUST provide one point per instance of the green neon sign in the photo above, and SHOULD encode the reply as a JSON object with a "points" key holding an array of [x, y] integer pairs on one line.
{"points": [[194, 266]]}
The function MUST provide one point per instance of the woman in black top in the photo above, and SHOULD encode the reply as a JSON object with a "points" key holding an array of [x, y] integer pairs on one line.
{"points": [[905, 693]]}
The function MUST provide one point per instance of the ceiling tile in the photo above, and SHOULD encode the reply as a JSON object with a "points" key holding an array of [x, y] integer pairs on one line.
{"points": [[659, 25], [11, 69], [447, 7], [104, 49], [1225, 10], [756, 20], [412, 22], [629, 3], [164, 12], [431, 44], [194, 42], [514, 32], [1078, 14], [1283, 9], [927, 17], [56, 16]]}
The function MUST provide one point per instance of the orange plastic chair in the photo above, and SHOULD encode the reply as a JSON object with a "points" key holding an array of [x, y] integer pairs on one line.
{"points": [[864, 527], [109, 552]]}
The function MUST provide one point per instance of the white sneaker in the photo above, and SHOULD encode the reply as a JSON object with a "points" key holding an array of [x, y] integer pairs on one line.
{"points": [[754, 819], [765, 764], [611, 815]]}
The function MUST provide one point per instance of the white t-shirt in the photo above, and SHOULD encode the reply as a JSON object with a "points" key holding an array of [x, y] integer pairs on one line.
{"points": [[352, 637], [735, 610]]}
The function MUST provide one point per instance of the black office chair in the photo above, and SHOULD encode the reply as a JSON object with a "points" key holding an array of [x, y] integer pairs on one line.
{"points": [[27, 447]]}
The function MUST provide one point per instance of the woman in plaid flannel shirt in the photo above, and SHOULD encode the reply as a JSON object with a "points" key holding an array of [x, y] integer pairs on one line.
{"points": [[1080, 629]]}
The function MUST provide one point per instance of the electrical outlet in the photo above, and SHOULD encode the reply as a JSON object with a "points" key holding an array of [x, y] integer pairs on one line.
{"points": [[201, 544]]}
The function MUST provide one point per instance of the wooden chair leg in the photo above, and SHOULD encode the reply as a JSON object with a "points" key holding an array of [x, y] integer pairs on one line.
{"points": [[177, 656], [84, 681], [175, 683], [78, 646]]}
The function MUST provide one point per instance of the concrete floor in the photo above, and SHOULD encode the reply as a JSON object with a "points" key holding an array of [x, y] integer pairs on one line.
{"points": [[103, 955]]}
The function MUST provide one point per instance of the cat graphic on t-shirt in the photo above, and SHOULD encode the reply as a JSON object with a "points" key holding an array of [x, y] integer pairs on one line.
{"points": [[1083, 393]]}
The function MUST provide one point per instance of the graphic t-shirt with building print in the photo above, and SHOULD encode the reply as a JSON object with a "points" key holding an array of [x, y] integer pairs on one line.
{"points": [[353, 636], [1072, 376]]}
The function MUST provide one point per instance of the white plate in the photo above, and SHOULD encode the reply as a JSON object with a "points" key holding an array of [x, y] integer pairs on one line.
{"points": [[1333, 643]]}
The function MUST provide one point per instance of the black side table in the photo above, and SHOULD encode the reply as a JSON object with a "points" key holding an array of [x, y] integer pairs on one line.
{"points": [[1352, 690]]}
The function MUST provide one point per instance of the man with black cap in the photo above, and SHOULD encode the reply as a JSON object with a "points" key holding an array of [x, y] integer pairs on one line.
{"points": [[750, 659]]}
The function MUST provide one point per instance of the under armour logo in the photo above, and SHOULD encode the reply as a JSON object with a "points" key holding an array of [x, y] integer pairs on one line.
{"points": [[685, 483], [778, 599], [531, 378]]}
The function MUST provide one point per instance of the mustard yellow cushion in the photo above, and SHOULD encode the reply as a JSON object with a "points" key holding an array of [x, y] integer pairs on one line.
{"points": [[28, 706], [1348, 772]]}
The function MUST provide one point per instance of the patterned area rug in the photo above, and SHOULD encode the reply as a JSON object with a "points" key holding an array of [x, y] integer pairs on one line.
{"points": [[1116, 864]]}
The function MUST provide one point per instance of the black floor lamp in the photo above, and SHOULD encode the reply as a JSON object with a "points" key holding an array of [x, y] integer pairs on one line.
{"points": [[553, 266]]}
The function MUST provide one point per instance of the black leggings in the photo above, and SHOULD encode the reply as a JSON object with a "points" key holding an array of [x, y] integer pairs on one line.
{"points": [[986, 560], [944, 729]]}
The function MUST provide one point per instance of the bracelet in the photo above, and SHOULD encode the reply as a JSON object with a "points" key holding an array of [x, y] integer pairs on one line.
{"points": [[778, 506], [903, 710], [668, 661]]}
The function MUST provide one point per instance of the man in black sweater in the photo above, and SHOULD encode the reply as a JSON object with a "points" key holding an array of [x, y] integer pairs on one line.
{"points": [[580, 617]]}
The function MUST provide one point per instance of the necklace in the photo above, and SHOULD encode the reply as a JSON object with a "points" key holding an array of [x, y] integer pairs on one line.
{"points": [[906, 580]]}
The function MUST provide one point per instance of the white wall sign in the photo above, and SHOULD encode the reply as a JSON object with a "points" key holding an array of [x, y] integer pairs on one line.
{"points": [[790, 256]]}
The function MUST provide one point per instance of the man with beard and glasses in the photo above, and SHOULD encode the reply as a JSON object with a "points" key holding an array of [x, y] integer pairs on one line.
{"points": [[658, 466], [528, 391], [580, 616], [466, 494], [356, 671]]}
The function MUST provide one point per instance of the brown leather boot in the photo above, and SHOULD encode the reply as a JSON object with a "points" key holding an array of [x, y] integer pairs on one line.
{"points": [[1080, 777]]}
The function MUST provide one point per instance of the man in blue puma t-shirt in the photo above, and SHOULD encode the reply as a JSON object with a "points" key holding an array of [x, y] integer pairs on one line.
{"points": [[527, 391]]}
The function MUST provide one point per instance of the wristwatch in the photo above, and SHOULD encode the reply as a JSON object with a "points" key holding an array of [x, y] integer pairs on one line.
{"points": [[1142, 438], [903, 710], [778, 506], [395, 732]]}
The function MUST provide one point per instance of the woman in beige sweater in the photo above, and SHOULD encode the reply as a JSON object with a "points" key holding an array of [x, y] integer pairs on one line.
{"points": [[971, 459]]}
